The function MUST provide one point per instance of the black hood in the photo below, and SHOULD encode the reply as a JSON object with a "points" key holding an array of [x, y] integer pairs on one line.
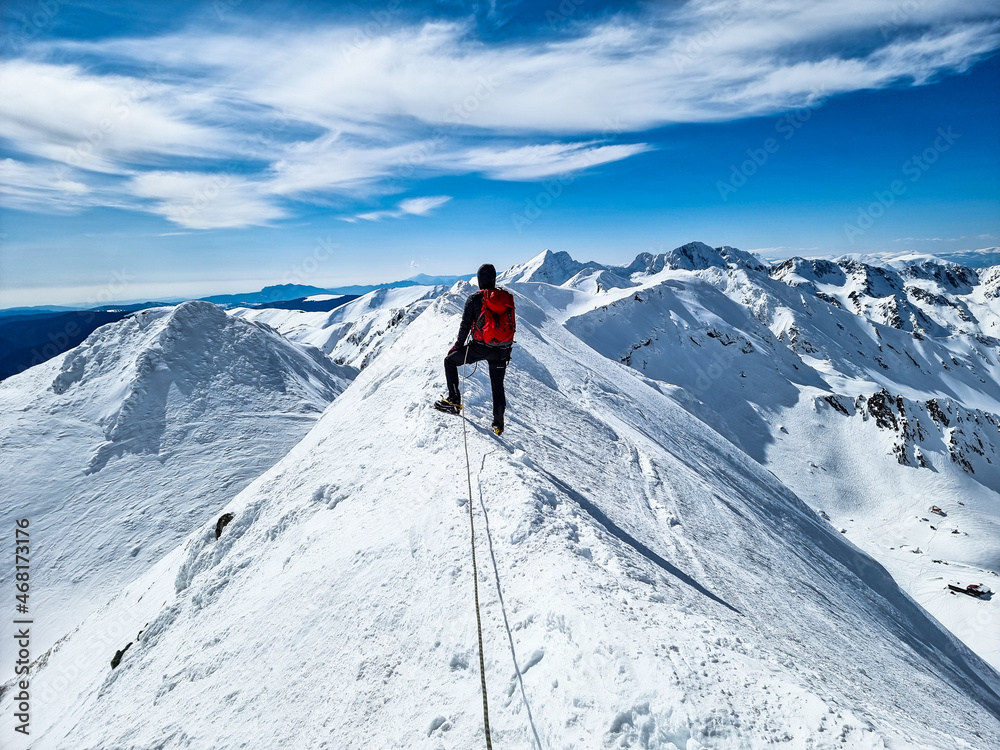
{"points": [[487, 276]]}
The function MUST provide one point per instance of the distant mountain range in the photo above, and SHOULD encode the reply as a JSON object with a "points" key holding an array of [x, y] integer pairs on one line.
{"points": [[275, 293], [31, 335], [418, 280], [982, 258], [293, 292]]}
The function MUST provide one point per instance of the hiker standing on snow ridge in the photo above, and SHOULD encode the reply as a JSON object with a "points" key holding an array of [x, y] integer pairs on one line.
{"points": [[489, 316]]}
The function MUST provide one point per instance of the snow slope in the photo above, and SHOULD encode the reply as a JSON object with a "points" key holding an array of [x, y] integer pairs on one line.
{"points": [[869, 416], [661, 589], [117, 448], [355, 333]]}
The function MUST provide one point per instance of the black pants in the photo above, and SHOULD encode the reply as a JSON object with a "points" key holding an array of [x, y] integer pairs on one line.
{"points": [[496, 356]]}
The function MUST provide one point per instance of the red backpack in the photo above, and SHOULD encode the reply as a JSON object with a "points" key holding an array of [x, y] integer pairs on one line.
{"points": [[495, 326]]}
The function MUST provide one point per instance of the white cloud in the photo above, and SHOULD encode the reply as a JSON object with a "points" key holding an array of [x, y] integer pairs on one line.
{"points": [[527, 163], [781, 252], [206, 201], [421, 206], [408, 207], [44, 186], [97, 122], [332, 163], [929, 239], [362, 115], [707, 61]]}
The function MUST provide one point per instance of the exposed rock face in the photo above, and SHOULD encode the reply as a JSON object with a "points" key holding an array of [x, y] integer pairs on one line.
{"points": [[221, 524], [990, 279], [970, 436], [815, 270], [950, 276]]}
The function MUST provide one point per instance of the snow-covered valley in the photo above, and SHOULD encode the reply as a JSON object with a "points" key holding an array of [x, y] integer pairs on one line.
{"points": [[708, 517]]}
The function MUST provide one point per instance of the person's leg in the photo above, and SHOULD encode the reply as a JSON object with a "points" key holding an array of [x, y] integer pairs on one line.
{"points": [[473, 352], [451, 363], [498, 369]]}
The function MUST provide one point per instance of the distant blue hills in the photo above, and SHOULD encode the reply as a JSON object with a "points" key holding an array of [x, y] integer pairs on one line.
{"points": [[31, 335], [288, 293], [418, 280], [275, 293]]}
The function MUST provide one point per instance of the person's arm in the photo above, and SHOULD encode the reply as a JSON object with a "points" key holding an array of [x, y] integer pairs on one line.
{"points": [[473, 307]]}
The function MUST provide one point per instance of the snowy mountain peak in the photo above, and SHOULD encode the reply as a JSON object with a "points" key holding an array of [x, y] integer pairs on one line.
{"points": [[742, 258], [547, 267], [560, 269], [356, 332], [990, 278], [694, 256], [161, 418], [646, 263], [809, 270], [950, 277], [858, 278], [151, 380], [872, 280]]}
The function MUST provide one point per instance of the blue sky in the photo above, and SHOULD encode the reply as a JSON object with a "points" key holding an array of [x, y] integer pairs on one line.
{"points": [[180, 149]]}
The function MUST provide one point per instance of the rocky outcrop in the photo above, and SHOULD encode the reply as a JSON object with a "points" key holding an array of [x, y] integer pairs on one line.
{"points": [[968, 435]]}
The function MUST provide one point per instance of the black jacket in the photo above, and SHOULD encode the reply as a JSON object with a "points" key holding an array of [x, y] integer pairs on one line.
{"points": [[473, 309]]}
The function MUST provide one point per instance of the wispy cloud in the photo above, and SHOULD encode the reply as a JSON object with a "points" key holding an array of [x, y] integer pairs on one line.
{"points": [[303, 114], [526, 163], [408, 207], [24, 185], [100, 122], [206, 201]]}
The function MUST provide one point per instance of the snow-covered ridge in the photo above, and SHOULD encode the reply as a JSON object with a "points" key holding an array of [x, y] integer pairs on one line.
{"points": [[181, 363], [924, 296], [149, 426], [761, 356], [674, 423], [559, 269], [662, 588], [355, 333]]}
